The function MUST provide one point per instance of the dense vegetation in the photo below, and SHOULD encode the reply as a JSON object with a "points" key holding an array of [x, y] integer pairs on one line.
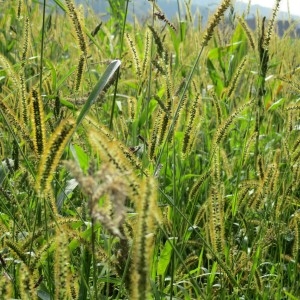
{"points": [[147, 161]]}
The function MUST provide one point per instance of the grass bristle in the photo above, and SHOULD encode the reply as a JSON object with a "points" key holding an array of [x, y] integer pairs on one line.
{"points": [[146, 154]]}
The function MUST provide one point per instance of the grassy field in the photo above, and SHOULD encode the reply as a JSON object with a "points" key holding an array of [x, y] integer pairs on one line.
{"points": [[153, 160]]}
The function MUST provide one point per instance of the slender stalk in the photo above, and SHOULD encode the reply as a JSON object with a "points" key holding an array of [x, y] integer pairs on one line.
{"points": [[42, 46], [179, 16], [118, 72]]}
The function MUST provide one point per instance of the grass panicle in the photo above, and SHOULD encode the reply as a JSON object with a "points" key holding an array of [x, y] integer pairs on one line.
{"points": [[245, 191], [248, 145], [38, 122], [6, 286], [248, 32], [214, 21], [27, 285], [204, 130], [17, 252], [25, 41], [50, 158], [80, 70], [224, 127], [296, 146], [132, 107], [267, 37], [74, 16], [109, 151], [165, 115], [19, 8], [294, 226], [144, 237], [260, 167], [216, 209], [135, 55], [264, 190], [9, 69], [14, 122], [130, 161], [234, 81], [157, 41], [23, 104], [217, 106], [154, 134], [34, 236], [62, 267], [161, 16], [190, 130], [196, 186], [146, 58], [163, 125], [226, 163]]}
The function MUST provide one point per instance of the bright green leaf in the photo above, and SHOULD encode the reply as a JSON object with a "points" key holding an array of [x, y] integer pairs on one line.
{"points": [[164, 259]]}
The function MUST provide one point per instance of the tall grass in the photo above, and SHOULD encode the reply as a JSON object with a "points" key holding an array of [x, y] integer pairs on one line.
{"points": [[148, 160]]}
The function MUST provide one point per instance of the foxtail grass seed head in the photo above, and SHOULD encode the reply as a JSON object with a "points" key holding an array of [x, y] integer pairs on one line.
{"points": [[79, 72], [148, 215], [161, 16], [157, 41], [38, 122], [73, 14], [154, 135], [146, 58], [248, 32], [62, 267], [25, 41], [8, 68], [26, 283], [234, 81], [224, 127], [52, 153], [191, 127], [134, 55], [19, 10], [267, 37], [17, 124], [215, 20], [24, 103], [197, 185]]}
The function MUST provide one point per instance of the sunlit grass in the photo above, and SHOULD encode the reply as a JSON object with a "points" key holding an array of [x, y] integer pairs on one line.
{"points": [[184, 145]]}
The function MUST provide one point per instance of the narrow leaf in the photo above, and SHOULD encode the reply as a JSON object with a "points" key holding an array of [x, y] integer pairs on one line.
{"points": [[99, 87]]}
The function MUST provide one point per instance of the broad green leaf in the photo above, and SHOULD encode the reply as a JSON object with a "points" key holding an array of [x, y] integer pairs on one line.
{"points": [[164, 259]]}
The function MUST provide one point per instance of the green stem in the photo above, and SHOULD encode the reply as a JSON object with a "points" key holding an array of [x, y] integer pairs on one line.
{"points": [[42, 46], [118, 72]]}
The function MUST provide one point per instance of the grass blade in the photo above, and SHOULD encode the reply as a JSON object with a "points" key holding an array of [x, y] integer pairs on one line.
{"points": [[100, 86]]}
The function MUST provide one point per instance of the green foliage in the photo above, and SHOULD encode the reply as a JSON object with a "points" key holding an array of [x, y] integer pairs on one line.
{"points": [[170, 172]]}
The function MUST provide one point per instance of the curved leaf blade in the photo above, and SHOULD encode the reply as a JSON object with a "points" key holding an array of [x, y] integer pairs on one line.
{"points": [[99, 87]]}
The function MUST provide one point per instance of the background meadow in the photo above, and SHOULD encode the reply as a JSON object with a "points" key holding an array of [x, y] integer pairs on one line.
{"points": [[151, 159]]}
